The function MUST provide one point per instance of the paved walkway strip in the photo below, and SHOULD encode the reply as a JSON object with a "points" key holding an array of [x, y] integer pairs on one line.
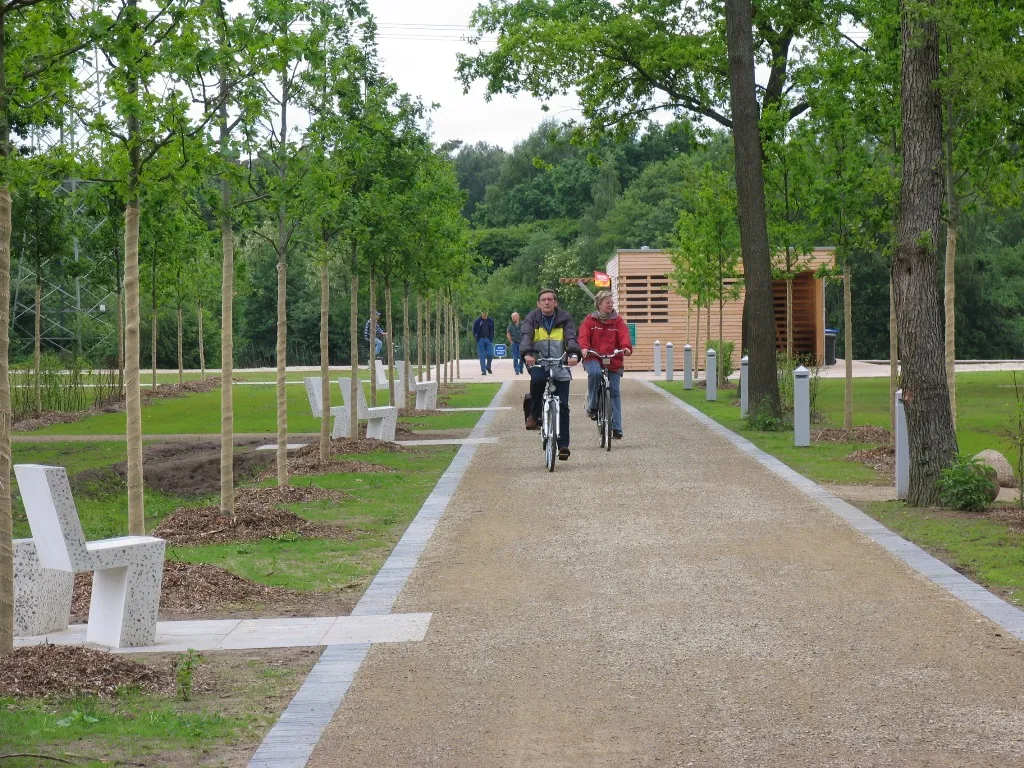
{"points": [[1009, 617], [293, 738]]}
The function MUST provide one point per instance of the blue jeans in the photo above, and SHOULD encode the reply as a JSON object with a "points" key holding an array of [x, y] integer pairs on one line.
{"points": [[614, 380], [378, 344], [517, 362], [485, 351], [538, 378]]}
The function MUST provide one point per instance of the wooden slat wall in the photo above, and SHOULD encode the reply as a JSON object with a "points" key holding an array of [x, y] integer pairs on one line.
{"points": [[644, 295]]}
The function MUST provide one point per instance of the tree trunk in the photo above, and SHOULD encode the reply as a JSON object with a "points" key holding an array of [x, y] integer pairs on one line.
{"points": [[227, 330], [391, 347], [789, 317], [325, 370], [6, 522], [282, 293], [759, 317], [153, 322], [721, 337], [38, 345], [406, 363], [446, 337], [419, 336], [848, 344], [373, 340], [458, 343], [181, 345], [202, 345], [438, 349], [930, 427], [426, 336], [893, 361], [353, 338], [949, 297], [133, 399], [696, 347]]}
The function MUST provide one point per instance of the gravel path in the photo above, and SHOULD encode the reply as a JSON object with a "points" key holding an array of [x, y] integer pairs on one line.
{"points": [[670, 604]]}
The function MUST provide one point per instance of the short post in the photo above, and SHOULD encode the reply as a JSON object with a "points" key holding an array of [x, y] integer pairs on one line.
{"points": [[711, 376], [902, 449], [670, 361], [801, 407], [657, 358], [744, 390], [687, 367]]}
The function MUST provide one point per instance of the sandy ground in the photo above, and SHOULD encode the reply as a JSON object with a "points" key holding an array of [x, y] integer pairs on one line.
{"points": [[671, 604]]}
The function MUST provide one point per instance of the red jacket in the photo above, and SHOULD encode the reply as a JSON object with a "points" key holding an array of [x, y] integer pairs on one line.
{"points": [[605, 336]]}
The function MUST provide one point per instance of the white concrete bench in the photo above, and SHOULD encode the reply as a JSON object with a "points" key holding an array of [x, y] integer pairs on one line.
{"points": [[381, 374], [42, 597], [127, 571], [426, 395], [315, 393], [381, 422]]}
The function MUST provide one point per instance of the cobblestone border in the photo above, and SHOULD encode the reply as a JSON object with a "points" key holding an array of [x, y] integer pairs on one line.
{"points": [[290, 743], [1007, 616]]}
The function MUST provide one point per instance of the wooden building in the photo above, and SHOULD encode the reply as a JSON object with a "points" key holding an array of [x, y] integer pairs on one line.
{"points": [[645, 298]]}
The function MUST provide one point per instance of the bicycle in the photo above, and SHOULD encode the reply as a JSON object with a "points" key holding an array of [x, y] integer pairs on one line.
{"points": [[550, 412], [603, 397]]}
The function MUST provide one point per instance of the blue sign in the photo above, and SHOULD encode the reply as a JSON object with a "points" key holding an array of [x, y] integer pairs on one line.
{"points": [[500, 350]]}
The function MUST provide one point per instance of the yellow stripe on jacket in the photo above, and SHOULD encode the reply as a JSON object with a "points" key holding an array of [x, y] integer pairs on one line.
{"points": [[541, 334]]}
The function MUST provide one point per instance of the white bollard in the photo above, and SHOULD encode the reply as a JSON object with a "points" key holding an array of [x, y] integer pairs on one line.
{"points": [[801, 407], [711, 376], [687, 367], [744, 390], [670, 360], [657, 358], [902, 449]]}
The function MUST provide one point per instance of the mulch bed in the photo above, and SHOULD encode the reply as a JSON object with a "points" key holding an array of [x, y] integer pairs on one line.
{"points": [[311, 465], [64, 671], [348, 446], [188, 588], [181, 390], [863, 434], [193, 469], [881, 459]]}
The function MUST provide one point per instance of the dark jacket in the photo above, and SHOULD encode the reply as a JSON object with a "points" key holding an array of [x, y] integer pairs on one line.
{"points": [[483, 329], [538, 342]]}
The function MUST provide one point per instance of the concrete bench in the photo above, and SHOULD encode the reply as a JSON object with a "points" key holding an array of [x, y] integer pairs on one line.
{"points": [[381, 422], [127, 571], [42, 597], [381, 374], [426, 395], [315, 393]]}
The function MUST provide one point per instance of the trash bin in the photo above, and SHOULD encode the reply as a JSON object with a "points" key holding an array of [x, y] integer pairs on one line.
{"points": [[830, 346]]}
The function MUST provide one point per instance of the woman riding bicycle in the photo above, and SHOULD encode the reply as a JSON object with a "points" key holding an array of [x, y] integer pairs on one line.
{"points": [[548, 332], [603, 332]]}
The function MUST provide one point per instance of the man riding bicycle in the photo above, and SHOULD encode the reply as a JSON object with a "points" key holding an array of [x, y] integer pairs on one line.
{"points": [[603, 332], [549, 332]]}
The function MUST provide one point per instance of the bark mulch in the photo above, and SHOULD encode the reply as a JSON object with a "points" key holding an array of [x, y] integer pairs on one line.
{"points": [[64, 671], [193, 469], [348, 446], [181, 390], [863, 434], [310, 465], [253, 520], [882, 459], [188, 588]]}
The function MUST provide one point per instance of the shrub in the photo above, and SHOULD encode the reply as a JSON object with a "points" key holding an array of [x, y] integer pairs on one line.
{"points": [[761, 419], [967, 485], [786, 366], [724, 353]]}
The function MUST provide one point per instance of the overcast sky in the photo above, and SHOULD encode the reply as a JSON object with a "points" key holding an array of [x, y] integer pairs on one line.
{"points": [[418, 40]]}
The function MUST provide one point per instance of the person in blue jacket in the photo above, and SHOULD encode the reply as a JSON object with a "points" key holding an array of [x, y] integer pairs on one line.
{"points": [[483, 332]]}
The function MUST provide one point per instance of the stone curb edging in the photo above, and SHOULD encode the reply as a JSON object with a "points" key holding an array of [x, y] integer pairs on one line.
{"points": [[292, 739], [1007, 616]]}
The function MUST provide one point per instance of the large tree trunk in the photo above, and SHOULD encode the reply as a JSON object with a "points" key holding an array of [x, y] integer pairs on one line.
{"points": [[6, 523], [202, 344], [227, 331], [38, 344], [391, 347], [353, 339], [925, 394], [373, 340], [848, 344], [133, 398], [325, 370], [759, 317]]}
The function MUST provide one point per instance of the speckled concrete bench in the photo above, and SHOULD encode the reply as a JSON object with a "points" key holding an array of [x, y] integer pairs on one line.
{"points": [[381, 373], [315, 393], [426, 395], [380, 422], [42, 597], [127, 571]]}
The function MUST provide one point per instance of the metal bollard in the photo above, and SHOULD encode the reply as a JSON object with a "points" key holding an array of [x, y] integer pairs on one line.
{"points": [[801, 407], [711, 376], [657, 358], [902, 449], [744, 390], [687, 367], [670, 360]]}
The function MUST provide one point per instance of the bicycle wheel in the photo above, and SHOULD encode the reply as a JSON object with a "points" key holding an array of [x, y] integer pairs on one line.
{"points": [[606, 406], [552, 446], [599, 406], [544, 428]]}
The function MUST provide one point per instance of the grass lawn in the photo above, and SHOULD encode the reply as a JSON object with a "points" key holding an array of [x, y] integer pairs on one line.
{"points": [[255, 411]]}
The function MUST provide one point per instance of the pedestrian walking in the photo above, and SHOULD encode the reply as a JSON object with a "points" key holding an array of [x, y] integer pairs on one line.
{"points": [[483, 332], [514, 333]]}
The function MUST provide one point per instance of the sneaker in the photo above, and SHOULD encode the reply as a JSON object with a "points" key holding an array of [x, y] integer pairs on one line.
{"points": [[490, 371], [617, 434], [563, 454], [531, 423], [592, 415]]}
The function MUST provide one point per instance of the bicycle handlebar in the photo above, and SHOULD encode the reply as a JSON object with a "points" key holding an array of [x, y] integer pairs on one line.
{"points": [[591, 352]]}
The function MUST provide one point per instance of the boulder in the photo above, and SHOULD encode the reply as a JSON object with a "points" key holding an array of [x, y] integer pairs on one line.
{"points": [[1003, 470]]}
